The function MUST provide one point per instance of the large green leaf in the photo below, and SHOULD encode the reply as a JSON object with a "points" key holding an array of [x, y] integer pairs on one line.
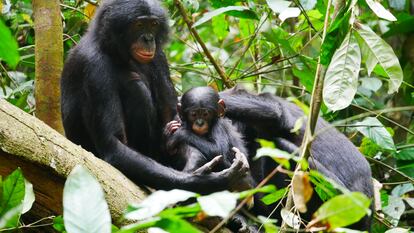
{"points": [[383, 53], [157, 202], [13, 192], [343, 210], [209, 15], [84, 207], [8, 46], [10, 219], [341, 79], [278, 6], [218, 204], [405, 154], [380, 11], [373, 129]]}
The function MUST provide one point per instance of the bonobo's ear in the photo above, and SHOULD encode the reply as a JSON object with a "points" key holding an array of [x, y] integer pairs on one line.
{"points": [[222, 108], [179, 111]]}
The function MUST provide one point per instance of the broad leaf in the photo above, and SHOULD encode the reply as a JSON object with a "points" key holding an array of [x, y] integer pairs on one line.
{"points": [[383, 53], [8, 46], [373, 129], [380, 11], [290, 219], [290, 12], [84, 207], [13, 192], [10, 219], [278, 6], [207, 16], [341, 79], [405, 154], [157, 202], [274, 197], [302, 190], [218, 204], [398, 230], [176, 225], [343, 210], [394, 209], [29, 197]]}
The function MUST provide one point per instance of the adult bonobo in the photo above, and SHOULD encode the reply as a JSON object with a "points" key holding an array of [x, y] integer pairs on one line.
{"points": [[117, 96]]}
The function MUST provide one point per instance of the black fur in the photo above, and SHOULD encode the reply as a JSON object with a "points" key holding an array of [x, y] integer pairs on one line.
{"points": [[116, 107], [332, 154]]}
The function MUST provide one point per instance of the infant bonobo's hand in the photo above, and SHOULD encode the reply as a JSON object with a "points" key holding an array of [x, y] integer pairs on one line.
{"points": [[171, 127], [208, 167]]}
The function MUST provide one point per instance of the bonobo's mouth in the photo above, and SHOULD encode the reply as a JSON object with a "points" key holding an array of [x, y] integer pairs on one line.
{"points": [[200, 130], [145, 56]]}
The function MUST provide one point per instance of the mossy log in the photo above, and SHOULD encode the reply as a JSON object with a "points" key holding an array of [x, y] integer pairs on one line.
{"points": [[46, 159]]}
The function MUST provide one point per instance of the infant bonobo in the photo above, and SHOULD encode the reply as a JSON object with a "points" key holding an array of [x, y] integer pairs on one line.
{"points": [[205, 141]]}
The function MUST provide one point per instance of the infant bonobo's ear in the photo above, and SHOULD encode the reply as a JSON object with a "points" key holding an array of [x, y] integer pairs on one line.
{"points": [[179, 110], [222, 108]]}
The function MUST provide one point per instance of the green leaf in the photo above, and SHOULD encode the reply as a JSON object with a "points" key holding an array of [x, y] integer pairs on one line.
{"points": [[29, 196], [84, 207], [290, 12], [383, 53], [8, 46], [13, 192], [343, 210], [220, 27], [157, 202], [341, 78], [280, 156], [274, 197], [323, 187], [394, 209], [380, 11], [58, 224], [176, 225], [209, 15], [10, 219], [278, 6], [398, 230], [373, 129], [264, 189], [218, 204], [405, 154], [402, 189]]}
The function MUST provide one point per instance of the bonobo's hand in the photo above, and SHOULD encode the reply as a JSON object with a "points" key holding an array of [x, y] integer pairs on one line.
{"points": [[171, 127], [238, 170]]}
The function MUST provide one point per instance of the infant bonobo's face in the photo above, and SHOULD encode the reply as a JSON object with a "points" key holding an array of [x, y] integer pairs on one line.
{"points": [[201, 120], [200, 108]]}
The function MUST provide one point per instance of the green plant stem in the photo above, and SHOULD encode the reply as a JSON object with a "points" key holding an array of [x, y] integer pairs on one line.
{"points": [[315, 106]]}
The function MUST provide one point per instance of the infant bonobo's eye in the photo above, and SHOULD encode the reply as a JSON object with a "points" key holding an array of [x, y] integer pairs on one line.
{"points": [[155, 23], [206, 113], [139, 24], [193, 114]]}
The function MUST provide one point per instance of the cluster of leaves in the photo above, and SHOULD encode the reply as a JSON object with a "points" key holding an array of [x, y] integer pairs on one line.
{"points": [[86, 211]]}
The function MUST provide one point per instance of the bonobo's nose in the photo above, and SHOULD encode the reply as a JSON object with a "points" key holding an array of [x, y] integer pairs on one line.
{"points": [[148, 37], [199, 122]]}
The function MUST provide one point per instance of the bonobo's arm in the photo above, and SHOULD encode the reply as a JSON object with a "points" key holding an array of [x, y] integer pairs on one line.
{"points": [[102, 113], [269, 115]]}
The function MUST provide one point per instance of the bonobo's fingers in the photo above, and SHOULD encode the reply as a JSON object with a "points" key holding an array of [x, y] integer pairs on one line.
{"points": [[242, 156], [235, 172], [171, 127], [208, 167]]}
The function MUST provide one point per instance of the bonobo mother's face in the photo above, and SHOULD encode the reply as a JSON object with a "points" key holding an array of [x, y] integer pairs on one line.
{"points": [[142, 38]]}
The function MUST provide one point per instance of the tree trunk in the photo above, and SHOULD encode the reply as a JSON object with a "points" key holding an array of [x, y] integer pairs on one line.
{"points": [[46, 158], [49, 61]]}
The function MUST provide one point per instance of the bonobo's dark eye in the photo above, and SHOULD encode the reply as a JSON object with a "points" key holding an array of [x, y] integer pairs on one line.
{"points": [[139, 24], [155, 23], [193, 114], [206, 113]]}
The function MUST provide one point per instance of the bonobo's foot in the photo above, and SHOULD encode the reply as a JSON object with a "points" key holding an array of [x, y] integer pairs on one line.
{"points": [[239, 224], [171, 127]]}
